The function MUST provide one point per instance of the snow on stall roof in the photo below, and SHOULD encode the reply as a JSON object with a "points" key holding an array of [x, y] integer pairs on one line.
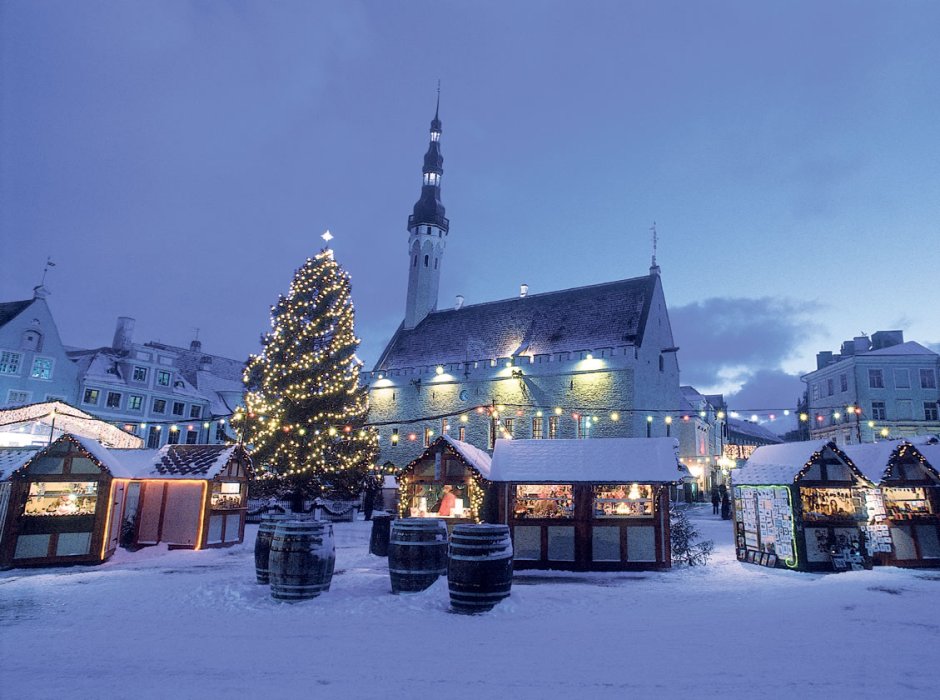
{"points": [[872, 458], [605, 460], [776, 464], [480, 460], [12, 458], [931, 453]]}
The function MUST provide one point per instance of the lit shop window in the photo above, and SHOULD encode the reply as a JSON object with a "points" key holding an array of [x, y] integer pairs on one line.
{"points": [[830, 504], [906, 503], [543, 501], [62, 498], [226, 495], [438, 500], [623, 501]]}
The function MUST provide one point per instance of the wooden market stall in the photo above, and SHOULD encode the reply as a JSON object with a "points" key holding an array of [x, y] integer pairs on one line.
{"points": [[448, 480], [801, 505], [587, 505], [71, 500], [904, 509]]}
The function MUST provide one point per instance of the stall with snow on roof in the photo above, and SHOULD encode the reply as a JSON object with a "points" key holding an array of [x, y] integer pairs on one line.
{"points": [[801, 505], [448, 480], [904, 509], [587, 505], [70, 501]]}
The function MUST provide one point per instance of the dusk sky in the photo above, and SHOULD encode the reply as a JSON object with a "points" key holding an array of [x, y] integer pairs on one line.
{"points": [[178, 160]]}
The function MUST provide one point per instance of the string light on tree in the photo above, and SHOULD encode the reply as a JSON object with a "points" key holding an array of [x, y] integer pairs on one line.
{"points": [[307, 375]]}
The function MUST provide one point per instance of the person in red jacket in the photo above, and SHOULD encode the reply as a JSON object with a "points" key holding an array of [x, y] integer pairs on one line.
{"points": [[448, 501]]}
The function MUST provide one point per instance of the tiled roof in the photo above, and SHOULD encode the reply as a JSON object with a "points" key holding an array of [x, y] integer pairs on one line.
{"points": [[584, 318], [11, 309]]}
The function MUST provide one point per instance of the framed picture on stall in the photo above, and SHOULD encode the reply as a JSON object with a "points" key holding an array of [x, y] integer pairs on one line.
{"points": [[751, 555], [771, 561], [763, 559]]}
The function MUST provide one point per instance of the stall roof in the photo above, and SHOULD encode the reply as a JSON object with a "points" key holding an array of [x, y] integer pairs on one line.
{"points": [[931, 452], [779, 464], [12, 458], [872, 458], [477, 458], [168, 462], [604, 460]]}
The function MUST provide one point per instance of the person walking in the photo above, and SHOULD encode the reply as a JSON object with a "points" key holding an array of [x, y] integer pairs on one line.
{"points": [[725, 503], [716, 499]]}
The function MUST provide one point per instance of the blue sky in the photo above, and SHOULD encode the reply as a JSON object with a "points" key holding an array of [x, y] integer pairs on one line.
{"points": [[178, 160]]}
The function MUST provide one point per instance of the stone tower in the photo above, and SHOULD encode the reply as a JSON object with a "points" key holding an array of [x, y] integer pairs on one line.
{"points": [[427, 234]]}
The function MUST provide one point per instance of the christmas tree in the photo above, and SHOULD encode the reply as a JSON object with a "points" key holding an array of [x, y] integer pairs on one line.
{"points": [[304, 409]]}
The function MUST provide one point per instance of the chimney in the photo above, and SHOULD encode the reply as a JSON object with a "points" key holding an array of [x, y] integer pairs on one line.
{"points": [[523, 290], [195, 346], [459, 303], [861, 344], [823, 359], [123, 334], [886, 339]]}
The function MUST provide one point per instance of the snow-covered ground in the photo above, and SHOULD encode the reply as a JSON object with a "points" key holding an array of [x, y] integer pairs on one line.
{"points": [[181, 624]]}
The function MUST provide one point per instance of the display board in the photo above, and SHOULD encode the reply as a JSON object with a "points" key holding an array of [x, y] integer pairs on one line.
{"points": [[764, 525], [877, 533]]}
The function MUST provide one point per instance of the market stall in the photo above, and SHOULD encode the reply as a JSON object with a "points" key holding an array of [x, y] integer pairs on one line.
{"points": [[801, 506], [587, 505], [904, 511], [448, 480], [72, 501]]}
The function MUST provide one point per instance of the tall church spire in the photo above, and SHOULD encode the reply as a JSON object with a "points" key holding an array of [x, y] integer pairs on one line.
{"points": [[427, 232]]}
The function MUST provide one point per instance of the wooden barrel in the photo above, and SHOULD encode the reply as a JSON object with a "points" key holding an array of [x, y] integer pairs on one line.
{"points": [[302, 558], [378, 542], [479, 567], [417, 553], [263, 543]]}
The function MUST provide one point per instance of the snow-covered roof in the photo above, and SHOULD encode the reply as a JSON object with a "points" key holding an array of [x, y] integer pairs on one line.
{"points": [[474, 456], [908, 348], [168, 462], [872, 458], [750, 429], [69, 419], [777, 464], [931, 453], [603, 460], [12, 458]]}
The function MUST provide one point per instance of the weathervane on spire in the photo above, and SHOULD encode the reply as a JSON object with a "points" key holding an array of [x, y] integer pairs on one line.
{"points": [[49, 264]]}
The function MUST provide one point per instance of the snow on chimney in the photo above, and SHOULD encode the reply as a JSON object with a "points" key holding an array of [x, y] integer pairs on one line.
{"points": [[459, 302], [123, 334], [523, 290]]}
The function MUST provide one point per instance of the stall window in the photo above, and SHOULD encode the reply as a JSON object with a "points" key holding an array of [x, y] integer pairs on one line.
{"points": [[543, 501], [438, 500], [906, 503], [227, 494], [623, 501], [62, 498], [828, 504]]}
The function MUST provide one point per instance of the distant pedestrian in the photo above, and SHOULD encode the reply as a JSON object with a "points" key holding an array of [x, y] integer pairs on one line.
{"points": [[716, 500], [725, 503], [368, 498]]}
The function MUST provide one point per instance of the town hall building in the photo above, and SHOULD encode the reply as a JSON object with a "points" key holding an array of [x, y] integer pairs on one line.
{"points": [[588, 362]]}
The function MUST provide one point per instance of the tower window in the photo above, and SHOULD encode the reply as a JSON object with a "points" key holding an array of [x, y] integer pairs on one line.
{"points": [[415, 263], [429, 230], [425, 260], [435, 263], [435, 135]]}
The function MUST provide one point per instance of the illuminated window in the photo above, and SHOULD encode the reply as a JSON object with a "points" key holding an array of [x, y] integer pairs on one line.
{"points": [[394, 437], [623, 501], [906, 503], [552, 427], [134, 402], [462, 434], [42, 368], [226, 496], [508, 424], [830, 504], [534, 501], [62, 498], [91, 396], [427, 437], [537, 428]]}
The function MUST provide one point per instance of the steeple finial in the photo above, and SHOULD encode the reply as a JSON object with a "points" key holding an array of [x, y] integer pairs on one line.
{"points": [[654, 268], [437, 108]]}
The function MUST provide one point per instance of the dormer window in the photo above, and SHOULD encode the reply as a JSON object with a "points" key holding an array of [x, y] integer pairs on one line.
{"points": [[432, 179], [435, 136]]}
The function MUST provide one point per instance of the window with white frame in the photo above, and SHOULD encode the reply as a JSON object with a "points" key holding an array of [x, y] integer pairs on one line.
{"points": [[135, 403], [930, 410], [113, 400], [140, 374], [876, 379], [878, 410], [538, 428], [178, 408], [163, 378], [42, 368], [10, 362], [928, 379], [159, 406], [195, 411], [91, 396], [843, 382]]}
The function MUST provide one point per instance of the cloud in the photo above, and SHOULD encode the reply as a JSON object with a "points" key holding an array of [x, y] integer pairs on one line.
{"points": [[728, 342], [767, 389]]}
